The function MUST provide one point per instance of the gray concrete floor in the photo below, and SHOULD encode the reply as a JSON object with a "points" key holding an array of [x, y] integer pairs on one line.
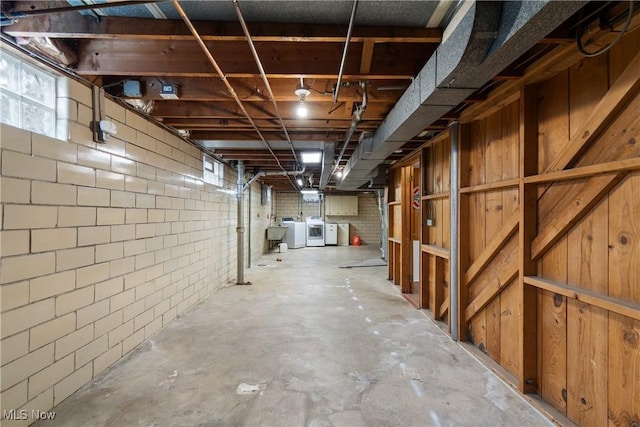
{"points": [[324, 346]]}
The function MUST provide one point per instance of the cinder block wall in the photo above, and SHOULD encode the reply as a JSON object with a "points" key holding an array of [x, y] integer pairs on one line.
{"points": [[102, 245], [291, 205], [260, 217], [366, 224]]}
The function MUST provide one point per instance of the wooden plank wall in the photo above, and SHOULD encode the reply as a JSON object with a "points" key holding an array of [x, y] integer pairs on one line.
{"points": [[575, 236], [435, 239], [589, 357], [492, 144], [394, 258]]}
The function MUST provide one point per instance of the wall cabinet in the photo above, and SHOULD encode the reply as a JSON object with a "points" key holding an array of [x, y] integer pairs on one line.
{"points": [[341, 205]]}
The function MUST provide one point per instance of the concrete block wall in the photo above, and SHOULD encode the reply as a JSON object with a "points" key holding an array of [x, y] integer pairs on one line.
{"points": [[292, 205], [260, 217], [102, 246], [366, 224]]}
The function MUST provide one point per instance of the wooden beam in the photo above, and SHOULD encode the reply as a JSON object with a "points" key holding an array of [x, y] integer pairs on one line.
{"points": [[616, 98], [495, 244], [444, 308], [436, 196], [313, 125], [367, 56], [229, 110], [508, 272], [71, 26], [185, 58], [557, 60], [509, 183], [573, 210], [585, 171], [616, 305], [527, 227], [438, 251], [436, 273], [251, 90], [224, 134], [497, 102]]}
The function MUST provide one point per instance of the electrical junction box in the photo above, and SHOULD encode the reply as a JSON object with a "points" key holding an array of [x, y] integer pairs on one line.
{"points": [[169, 91], [131, 89]]}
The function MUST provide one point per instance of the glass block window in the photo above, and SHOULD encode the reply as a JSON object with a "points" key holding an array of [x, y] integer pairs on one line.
{"points": [[213, 171], [27, 96]]}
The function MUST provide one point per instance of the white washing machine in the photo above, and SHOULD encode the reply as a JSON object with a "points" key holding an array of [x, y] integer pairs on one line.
{"points": [[296, 235], [315, 231]]}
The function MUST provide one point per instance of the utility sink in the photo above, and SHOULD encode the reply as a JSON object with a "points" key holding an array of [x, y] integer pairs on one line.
{"points": [[276, 233]]}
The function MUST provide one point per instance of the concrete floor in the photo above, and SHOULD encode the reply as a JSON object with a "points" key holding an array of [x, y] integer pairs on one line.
{"points": [[323, 346]]}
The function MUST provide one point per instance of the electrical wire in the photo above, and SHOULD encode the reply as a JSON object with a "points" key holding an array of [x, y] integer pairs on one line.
{"points": [[610, 45]]}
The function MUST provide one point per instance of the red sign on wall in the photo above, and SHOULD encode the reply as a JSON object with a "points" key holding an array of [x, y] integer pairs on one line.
{"points": [[416, 198]]}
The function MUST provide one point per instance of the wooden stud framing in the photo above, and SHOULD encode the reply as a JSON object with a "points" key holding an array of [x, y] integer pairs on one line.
{"points": [[499, 240], [593, 191], [367, 55], [528, 375], [550, 176], [624, 88]]}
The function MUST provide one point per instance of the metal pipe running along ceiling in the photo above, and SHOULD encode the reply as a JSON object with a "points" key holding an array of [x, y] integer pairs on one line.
{"points": [[223, 77], [486, 38]]}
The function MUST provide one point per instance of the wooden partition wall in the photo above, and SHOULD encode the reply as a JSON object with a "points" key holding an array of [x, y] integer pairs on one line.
{"points": [[436, 230], [549, 252]]}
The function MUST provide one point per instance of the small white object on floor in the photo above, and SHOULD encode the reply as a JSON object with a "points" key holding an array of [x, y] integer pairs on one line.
{"points": [[244, 388]]}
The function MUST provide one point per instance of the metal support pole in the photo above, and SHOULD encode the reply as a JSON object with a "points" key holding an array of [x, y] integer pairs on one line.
{"points": [[240, 225], [249, 232], [453, 251]]}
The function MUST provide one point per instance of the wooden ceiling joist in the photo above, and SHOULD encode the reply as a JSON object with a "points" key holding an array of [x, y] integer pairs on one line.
{"points": [[185, 58], [228, 110], [85, 27], [225, 135], [253, 90]]}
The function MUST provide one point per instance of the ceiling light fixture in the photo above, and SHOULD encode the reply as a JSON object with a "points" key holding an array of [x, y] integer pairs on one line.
{"points": [[302, 91], [339, 174], [311, 156], [300, 181]]}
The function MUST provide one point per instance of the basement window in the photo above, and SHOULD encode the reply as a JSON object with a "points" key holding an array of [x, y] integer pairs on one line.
{"points": [[213, 171], [27, 96]]}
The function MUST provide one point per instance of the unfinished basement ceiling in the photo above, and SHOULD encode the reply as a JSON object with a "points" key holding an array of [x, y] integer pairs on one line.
{"points": [[299, 44], [150, 44]]}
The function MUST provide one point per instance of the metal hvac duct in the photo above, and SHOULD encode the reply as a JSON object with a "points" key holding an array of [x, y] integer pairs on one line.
{"points": [[485, 38]]}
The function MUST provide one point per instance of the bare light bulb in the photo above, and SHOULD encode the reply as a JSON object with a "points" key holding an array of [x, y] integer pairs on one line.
{"points": [[339, 174], [302, 110]]}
